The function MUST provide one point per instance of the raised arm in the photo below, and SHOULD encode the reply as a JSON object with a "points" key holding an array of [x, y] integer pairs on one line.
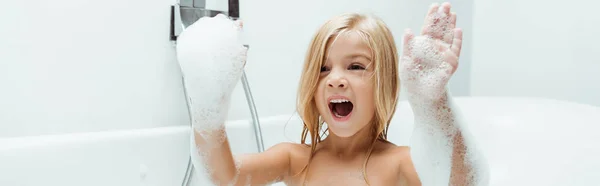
{"points": [[212, 59], [442, 147], [214, 160]]}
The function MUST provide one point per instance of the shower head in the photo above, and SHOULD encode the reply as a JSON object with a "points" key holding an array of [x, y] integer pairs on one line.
{"points": [[190, 11]]}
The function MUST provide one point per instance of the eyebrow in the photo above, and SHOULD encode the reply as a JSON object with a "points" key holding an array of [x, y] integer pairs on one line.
{"points": [[354, 56]]}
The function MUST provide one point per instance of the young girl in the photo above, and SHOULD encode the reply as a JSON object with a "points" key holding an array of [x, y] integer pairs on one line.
{"points": [[349, 88]]}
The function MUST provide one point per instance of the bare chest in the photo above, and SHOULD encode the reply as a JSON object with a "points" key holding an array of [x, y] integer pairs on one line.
{"points": [[325, 170]]}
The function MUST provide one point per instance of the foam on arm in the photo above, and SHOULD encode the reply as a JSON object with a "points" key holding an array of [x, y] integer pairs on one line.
{"points": [[212, 57], [442, 147]]}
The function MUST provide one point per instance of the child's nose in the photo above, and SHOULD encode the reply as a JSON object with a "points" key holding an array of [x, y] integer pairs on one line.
{"points": [[338, 82]]}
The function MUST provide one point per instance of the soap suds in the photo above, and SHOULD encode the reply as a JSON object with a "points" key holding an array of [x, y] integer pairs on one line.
{"points": [[212, 57], [440, 145]]}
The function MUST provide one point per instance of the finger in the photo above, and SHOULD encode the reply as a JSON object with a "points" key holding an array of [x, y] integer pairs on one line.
{"points": [[432, 9], [426, 30], [441, 46], [449, 33], [452, 21], [442, 27], [407, 41], [451, 59], [450, 68], [457, 42], [445, 8], [437, 23], [430, 18]]}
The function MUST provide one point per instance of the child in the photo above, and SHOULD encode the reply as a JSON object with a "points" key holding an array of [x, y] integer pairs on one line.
{"points": [[350, 83]]}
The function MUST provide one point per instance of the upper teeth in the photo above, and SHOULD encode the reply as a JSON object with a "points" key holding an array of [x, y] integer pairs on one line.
{"points": [[339, 100]]}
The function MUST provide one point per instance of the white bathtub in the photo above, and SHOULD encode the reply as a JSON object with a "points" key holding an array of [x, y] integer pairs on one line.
{"points": [[527, 141]]}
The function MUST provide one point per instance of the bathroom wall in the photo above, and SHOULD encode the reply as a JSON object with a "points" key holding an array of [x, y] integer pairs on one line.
{"points": [[77, 66], [536, 48], [83, 66]]}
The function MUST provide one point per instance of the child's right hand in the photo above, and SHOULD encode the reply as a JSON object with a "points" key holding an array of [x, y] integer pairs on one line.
{"points": [[212, 57]]}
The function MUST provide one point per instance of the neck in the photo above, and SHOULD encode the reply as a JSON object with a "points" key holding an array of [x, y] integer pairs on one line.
{"points": [[348, 147]]}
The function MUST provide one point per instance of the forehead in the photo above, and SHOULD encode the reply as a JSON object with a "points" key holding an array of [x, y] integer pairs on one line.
{"points": [[348, 44]]}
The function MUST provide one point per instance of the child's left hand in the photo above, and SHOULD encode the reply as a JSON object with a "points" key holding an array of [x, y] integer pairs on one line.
{"points": [[429, 60]]}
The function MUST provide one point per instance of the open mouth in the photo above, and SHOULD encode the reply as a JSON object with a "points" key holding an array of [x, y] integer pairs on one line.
{"points": [[340, 109]]}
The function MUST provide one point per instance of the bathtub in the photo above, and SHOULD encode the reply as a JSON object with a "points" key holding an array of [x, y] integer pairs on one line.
{"points": [[528, 141]]}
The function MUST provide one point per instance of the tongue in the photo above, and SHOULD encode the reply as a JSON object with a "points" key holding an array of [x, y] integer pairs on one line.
{"points": [[343, 109]]}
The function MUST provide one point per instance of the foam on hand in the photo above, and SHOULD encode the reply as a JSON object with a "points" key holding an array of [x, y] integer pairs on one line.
{"points": [[212, 57], [441, 29], [425, 73]]}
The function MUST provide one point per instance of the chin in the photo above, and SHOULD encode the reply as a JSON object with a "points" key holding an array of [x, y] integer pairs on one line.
{"points": [[342, 129]]}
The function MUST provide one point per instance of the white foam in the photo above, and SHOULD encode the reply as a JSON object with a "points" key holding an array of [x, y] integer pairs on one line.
{"points": [[212, 57], [201, 157], [432, 144], [441, 29], [425, 74]]}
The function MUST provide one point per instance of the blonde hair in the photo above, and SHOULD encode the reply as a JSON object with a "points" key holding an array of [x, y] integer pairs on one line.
{"points": [[375, 33]]}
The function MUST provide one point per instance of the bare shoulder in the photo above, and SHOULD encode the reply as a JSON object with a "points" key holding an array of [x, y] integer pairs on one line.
{"points": [[399, 153], [297, 153], [395, 156], [290, 148], [283, 146], [297, 157], [400, 160]]}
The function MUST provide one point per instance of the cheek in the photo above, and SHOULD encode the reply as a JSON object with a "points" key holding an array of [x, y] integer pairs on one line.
{"points": [[366, 95], [319, 91], [319, 99]]}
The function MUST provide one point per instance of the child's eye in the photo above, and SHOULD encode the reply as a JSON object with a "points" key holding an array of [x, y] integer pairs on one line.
{"points": [[324, 68], [356, 67]]}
